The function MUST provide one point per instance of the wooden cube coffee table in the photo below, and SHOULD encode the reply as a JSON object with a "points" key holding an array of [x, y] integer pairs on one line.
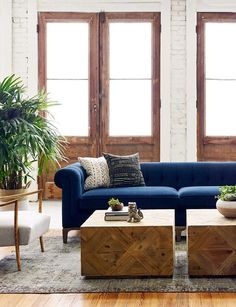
{"points": [[211, 240], [119, 248]]}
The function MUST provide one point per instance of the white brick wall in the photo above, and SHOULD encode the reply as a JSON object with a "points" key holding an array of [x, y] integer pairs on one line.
{"points": [[20, 39], [178, 67], [178, 81]]}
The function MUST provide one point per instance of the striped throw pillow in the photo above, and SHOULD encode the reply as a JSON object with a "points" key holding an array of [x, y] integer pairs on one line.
{"points": [[124, 171]]}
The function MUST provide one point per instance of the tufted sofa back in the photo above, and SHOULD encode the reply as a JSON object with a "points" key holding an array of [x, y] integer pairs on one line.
{"points": [[183, 174]]}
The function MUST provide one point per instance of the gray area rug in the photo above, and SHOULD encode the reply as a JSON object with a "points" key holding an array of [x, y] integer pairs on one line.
{"points": [[58, 271]]}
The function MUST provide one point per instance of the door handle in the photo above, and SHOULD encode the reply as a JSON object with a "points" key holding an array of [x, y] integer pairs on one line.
{"points": [[95, 108]]}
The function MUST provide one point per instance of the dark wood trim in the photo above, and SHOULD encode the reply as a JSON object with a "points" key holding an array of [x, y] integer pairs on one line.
{"points": [[98, 139], [210, 147], [200, 85], [216, 17], [219, 140], [91, 18], [93, 84], [103, 81], [153, 140], [130, 139], [42, 71], [156, 82], [132, 16]]}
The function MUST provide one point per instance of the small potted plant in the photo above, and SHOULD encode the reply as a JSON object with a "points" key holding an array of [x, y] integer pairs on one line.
{"points": [[226, 203], [115, 204]]}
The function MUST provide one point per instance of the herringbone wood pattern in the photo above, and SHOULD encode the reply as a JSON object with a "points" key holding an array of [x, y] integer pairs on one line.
{"points": [[127, 250], [212, 246]]}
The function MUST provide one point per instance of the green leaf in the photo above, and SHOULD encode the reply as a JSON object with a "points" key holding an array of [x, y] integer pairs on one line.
{"points": [[25, 134]]}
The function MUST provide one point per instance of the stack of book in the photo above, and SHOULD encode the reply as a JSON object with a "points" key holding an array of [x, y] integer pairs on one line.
{"points": [[117, 215]]}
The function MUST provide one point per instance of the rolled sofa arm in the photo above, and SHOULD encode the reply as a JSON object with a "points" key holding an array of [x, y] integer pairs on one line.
{"points": [[71, 180]]}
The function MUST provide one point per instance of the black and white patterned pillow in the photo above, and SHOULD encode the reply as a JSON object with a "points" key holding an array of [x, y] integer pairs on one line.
{"points": [[97, 171], [124, 170]]}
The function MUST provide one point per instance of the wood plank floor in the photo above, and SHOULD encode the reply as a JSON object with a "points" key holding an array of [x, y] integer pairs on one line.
{"points": [[120, 300]]}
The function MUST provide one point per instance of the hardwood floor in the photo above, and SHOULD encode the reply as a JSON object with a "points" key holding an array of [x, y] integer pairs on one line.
{"points": [[120, 300]]}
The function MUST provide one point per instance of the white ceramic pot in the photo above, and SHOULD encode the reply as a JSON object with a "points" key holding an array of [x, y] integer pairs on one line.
{"points": [[226, 208], [23, 203]]}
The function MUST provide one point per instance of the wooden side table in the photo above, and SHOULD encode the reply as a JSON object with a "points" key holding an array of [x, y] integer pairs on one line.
{"points": [[211, 240], [119, 248]]}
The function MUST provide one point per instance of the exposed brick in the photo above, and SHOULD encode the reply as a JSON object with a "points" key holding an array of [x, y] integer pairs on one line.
{"points": [[178, 80]]}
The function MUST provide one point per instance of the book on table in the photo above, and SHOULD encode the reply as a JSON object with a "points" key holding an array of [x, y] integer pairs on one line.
{"points": [[124, 211], [116, 217], [121, 215]]}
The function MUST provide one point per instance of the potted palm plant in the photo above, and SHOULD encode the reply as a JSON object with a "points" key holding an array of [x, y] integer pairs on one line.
{"points": [[26, 135]]}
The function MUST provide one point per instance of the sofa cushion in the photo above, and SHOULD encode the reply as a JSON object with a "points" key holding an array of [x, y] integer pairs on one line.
{"points": [[199, 197], [124, 171], [146, 197]]}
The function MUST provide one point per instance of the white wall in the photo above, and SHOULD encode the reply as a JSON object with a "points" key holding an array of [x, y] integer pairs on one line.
{"points": [[178, 81], [178, 56], [6, 38]]}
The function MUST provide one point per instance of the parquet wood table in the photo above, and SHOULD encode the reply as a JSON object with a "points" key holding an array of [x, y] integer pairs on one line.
{"points": [[122, 249], [211, 240]]}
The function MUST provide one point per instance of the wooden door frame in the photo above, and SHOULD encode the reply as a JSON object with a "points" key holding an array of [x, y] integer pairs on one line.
{"points": [[92, 19], [209, 147], [98, 71], [104, 81]]}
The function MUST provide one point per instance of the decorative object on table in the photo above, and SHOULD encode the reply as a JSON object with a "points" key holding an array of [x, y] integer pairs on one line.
{"points": [[121, 215], [226, 203], [115, 204], [97, 172], [140, 213], [135, 215], [27, 135], [124, 171]]}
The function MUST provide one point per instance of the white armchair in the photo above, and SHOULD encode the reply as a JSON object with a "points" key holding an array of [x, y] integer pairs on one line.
{"points": [[22, 227]]}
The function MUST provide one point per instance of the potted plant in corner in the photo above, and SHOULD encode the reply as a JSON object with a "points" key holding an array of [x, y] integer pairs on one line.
{"points": [[26, 135], [226, 203]]}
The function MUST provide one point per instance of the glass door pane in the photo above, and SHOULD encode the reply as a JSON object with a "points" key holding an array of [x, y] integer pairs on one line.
{"points": [[220, 50], [220, 65], [130, 73], [220, 108], [67, 75]]}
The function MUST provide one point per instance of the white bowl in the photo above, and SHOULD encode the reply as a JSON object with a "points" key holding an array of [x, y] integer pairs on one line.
{"points": [[226, 208]]}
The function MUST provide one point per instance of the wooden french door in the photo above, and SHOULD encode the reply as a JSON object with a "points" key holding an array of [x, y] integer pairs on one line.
{"points": [[104, 70], [130, 108]]}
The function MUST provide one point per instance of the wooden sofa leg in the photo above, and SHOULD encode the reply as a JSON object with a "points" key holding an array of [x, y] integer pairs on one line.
{"points": [[65, 234], [178, 231], [41, 244]]}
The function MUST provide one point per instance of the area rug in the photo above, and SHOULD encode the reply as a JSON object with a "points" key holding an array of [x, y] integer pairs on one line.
{"points": [[58, 271]]}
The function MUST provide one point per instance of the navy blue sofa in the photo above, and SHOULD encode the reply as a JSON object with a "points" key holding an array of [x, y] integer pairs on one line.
{"points": [[169, 185]]}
